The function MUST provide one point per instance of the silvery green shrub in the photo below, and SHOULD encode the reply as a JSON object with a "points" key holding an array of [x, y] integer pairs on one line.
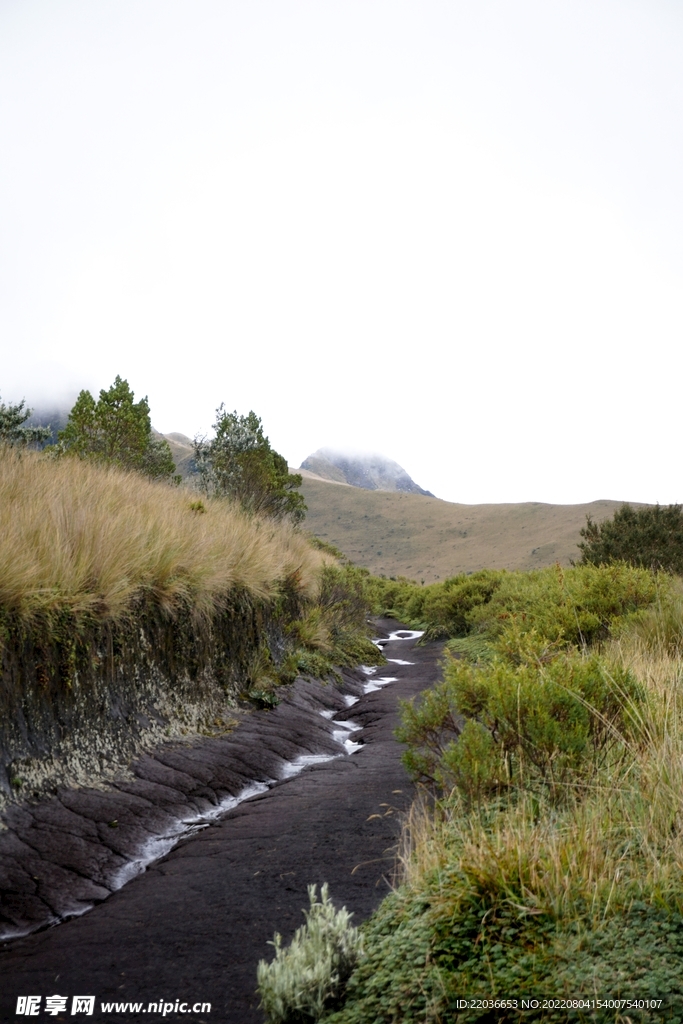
{"points": [[309, 976]]}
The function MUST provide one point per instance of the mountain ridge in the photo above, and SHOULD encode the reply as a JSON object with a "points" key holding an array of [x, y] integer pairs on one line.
{"points": [[368, 471]]}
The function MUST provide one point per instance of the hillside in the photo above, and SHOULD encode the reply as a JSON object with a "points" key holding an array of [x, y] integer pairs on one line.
{"points": [[182, 451], [397, 533], [407, 535], [371, 472]]}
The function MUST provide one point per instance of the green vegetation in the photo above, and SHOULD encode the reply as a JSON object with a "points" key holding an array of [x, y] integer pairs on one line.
{"points": [[441, 609], [532, 726], [308, 976], [430, 947], [651, 537], [336, 629], [116, 431], [545, 860], [554, 606], [13, 429], [330, 632], [239, 463]]}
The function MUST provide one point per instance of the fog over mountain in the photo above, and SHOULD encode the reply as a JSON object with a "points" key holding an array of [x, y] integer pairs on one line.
{"points": [[370, 471], [54, 417]]}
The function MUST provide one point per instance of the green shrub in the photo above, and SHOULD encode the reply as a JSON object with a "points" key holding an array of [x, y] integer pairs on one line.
{"points": [[650, 537], [442, 609], [395, 981], [424, 957], [558, 721], [474, 764], [309, 976], [447, 610], [565, 606]]}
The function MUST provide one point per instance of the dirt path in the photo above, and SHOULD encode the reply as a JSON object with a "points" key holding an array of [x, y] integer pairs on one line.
{"points": [[193, 926]]}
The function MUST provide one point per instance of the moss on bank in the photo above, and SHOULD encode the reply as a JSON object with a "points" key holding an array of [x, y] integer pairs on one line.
{"points": [[81, 697]]}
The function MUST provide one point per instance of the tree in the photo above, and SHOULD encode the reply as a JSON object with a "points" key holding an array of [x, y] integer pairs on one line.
{"points": [[12, 429], [239, 463], [651, 537], [116, 430]]}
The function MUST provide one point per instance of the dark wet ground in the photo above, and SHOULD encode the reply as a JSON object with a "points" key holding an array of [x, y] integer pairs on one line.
{"points": [[193, 927]]}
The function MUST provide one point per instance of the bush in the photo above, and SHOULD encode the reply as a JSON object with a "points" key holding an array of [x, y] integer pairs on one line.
{"points": [[569, 606], [239, 463], [549, 709], [310, 975], [442, 609], [650, 537], [395, 980], [473, 765], [334, 631], [564, 607], [549, 725], [424, 957], [448, 610]]}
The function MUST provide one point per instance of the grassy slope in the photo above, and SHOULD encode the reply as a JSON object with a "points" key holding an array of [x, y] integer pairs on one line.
{"points": [[94, 540], [426, 538], [131, 611]]}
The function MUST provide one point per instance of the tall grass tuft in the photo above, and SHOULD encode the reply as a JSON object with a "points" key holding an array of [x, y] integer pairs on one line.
{"points": [[91, 540]]}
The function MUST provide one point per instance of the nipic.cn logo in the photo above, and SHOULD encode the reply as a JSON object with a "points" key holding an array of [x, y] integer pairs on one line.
{"points": [[29, 1006]]}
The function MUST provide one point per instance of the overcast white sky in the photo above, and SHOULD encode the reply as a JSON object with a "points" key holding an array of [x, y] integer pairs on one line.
{"points": [[450, 232]]}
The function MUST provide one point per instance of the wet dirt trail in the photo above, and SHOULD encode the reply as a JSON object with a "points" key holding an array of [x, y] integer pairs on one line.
{"points": [[194, 925]]}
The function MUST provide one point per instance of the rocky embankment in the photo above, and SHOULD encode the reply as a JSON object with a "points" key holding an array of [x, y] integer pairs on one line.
{"points": [[217, 841]]}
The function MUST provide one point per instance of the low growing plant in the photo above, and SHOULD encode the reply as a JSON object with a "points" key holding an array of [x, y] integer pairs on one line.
{"points": [[564, 606], [547, 725], [309, 976], [334, 632]]}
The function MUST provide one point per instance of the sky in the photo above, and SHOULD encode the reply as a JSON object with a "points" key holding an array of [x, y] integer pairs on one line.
{"points": [[443, 230]]}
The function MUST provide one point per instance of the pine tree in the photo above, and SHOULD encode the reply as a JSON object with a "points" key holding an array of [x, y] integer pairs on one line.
{"points": [[116, 430]]}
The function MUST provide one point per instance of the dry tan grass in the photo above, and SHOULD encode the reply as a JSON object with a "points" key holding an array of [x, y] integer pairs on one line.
{"points": [[93, 539], [409, 535]]}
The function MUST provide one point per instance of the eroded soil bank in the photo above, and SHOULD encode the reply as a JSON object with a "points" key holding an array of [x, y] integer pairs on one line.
{"points": [[193, 926]]}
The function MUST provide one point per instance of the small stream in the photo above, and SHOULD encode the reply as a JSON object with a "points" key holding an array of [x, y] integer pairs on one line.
{"points": [[183, 826], [161, 845]]}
